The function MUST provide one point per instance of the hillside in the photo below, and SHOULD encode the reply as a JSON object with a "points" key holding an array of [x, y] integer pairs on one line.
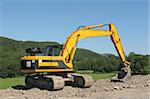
{"points": [[12, 50]]}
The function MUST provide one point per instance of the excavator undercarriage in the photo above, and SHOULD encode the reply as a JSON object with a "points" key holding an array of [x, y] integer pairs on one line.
{"points": [[57, 82]]}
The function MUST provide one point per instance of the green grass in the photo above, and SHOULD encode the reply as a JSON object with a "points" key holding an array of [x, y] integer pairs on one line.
{"points": [[9, 82], [85, 71], [97, 76]]}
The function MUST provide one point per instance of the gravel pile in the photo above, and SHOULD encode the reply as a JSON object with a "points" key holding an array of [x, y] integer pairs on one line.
{"points": [[137, 87]]}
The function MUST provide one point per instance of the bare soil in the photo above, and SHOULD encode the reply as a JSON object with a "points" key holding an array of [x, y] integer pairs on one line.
{"points": [[138, 87]]}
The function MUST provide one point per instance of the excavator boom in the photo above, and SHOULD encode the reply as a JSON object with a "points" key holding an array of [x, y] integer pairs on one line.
{"points": [[87, 32]]}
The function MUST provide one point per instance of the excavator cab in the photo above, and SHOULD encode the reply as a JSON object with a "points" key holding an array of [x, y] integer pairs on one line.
{"points": [[52, 50]]}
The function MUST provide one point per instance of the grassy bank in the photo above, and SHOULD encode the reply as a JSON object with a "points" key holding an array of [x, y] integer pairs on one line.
{"points": [[97, 76], [9, 82]]}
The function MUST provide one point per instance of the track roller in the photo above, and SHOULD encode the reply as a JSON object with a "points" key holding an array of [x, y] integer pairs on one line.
{"points": [[29, 81], [57, 82], [82, 81]]}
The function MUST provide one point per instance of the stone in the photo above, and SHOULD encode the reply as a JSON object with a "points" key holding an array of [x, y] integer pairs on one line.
{"points": [[106, 89], [116, 88]]}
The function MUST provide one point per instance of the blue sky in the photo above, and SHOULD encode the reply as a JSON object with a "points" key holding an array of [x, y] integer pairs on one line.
{"points": [[54, 20]]}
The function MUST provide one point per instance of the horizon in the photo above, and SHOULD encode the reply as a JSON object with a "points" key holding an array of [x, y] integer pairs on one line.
{"points": [[30, 20]]}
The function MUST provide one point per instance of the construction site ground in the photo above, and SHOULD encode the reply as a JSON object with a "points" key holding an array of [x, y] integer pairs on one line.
{"points": [[138, 87]]}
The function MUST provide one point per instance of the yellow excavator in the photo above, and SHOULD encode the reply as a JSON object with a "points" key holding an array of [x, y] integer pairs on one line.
{"points": [[51, 66]]}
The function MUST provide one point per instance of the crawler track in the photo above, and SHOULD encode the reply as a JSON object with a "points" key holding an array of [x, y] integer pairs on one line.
{"points": [[45, 82], [53, 82]]}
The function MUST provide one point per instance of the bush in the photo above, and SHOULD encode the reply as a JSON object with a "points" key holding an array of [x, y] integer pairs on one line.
{"points": [[139, 63]]}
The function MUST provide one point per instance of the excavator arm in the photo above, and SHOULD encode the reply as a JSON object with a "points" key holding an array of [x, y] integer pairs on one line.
{"points": [[69, 47]]}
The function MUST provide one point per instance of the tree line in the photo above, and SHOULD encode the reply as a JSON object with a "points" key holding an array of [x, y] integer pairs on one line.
{"points": [[140, 64]]}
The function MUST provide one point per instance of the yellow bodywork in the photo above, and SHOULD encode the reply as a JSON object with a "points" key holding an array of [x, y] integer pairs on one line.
{"points": [[48, 64], [68, 52], [46, 70], [40, 63]]}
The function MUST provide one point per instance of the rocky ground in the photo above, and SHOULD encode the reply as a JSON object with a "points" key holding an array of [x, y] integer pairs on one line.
{"points": [[138, 87]]}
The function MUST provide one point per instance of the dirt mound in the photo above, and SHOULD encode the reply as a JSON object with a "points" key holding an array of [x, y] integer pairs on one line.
{"points": [[137, 87]]}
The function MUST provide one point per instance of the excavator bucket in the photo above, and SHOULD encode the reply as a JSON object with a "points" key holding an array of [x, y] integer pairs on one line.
{"points": [[123, 75]]}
